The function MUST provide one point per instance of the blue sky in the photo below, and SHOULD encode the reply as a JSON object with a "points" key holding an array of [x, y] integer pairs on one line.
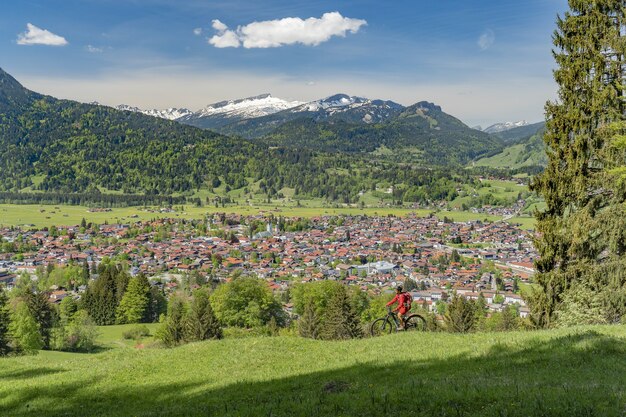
{"points": [[483, 61]]}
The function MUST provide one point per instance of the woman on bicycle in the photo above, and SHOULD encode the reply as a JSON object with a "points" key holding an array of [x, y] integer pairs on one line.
{"points": [[404, 300]]}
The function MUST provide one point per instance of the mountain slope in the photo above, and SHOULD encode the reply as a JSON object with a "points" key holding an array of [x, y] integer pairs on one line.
{"points": [[419, 133], [78, 147]]}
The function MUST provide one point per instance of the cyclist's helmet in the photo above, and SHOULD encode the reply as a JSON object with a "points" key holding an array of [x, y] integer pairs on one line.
{"points": [[399, 288]]}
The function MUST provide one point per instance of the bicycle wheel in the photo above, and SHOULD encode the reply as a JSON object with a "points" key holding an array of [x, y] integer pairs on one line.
{"points": [[415, 322], [381, 326]]}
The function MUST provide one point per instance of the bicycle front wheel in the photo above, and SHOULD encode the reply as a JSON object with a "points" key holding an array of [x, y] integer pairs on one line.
{"points": [[381, 326], [415, 322]]}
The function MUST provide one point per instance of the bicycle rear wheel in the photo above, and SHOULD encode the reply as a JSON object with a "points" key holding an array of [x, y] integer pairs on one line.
{"points": [[381, 326], [415, 322]]}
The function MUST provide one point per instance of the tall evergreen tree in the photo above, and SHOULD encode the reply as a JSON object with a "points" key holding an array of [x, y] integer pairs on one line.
{"points": [[460, 316], [4, 323], [100, 298], [200, 322], [157, 305], [43, 313], [309, 323], [85, 272], [134, 303], [172, 330], [582, 231], [24, 329], [340, 321]]}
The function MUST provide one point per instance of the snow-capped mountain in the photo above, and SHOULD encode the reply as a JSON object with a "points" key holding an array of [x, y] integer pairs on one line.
{"points": [[247, 108], [501, 127], [172, 113], [354, 108], [169, 114]]}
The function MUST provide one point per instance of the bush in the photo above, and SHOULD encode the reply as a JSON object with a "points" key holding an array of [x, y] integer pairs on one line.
{"points": [[79, 335], [246, 302], [136, 332]]}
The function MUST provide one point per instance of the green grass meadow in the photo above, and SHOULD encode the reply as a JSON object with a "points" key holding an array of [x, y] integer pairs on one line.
{"points": [[23, 215], [566, 372]]}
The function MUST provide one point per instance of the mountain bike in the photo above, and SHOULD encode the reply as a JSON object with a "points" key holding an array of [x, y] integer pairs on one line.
{"points": [[391, 322]]}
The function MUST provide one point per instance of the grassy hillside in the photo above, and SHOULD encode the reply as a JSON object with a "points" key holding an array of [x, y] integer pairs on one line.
{"points": [[525, 153], [573, 372]]}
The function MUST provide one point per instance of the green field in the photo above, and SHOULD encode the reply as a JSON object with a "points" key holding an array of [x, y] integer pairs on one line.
{"points": [[507, 190], [48, 215], [568, 372]]}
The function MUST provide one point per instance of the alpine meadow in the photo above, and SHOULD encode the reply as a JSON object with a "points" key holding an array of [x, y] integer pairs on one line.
{"points": [[385, 208]]}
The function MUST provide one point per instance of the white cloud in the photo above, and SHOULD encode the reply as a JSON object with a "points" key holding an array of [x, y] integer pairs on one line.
{"points": [[287, 31], [225, 38], [38, 36], [219, 26], [197, 31], [486, 39], [93, 49]]}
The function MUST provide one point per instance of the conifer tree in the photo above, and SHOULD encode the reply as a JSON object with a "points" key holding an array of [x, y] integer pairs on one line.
{"points": [[309, 323], [460, 315], [4, 323], [157, 305], [25, 330], [340, 321], [100, 299], [200, 322], [582, 231], [41, 310], [134, 303], [172, 330]]}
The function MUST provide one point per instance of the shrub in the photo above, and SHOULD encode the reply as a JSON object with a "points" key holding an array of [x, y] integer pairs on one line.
{"points": [[136, 332]]}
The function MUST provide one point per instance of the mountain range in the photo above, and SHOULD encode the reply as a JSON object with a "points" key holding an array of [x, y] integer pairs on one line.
{"points": [[74, 147], [343, 123]]}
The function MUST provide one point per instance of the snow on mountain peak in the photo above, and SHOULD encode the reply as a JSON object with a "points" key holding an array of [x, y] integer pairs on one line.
{"points": [[332, 102], [172, 113], [256, 106], [501, 127]]}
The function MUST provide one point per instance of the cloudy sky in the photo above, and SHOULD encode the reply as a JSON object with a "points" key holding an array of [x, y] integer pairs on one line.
{"points": [[484, 61]]}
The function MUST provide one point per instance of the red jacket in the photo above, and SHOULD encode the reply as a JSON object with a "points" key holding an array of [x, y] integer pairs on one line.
{"points": [[404, 302]]}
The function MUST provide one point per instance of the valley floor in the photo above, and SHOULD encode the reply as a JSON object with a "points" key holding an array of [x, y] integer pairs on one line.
{"points": [[37, 215], [565, 372]]}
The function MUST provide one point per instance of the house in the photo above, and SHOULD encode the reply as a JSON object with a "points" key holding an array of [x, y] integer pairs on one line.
{"points": [[57, 296], [7, 279]]}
